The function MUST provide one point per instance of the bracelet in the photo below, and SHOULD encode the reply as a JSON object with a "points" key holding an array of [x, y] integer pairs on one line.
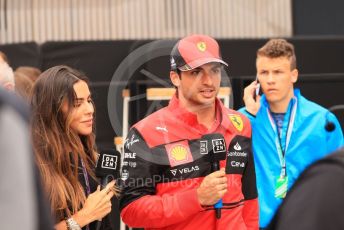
{"points": [[72, 224]]}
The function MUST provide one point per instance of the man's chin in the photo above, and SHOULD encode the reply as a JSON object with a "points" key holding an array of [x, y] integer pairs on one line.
{"points": [[207, 101], [272, 99]]}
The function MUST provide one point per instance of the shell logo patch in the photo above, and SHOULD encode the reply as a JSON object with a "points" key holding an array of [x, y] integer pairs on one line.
{"points": [[201, 46], [236, 121], [179, 153]]}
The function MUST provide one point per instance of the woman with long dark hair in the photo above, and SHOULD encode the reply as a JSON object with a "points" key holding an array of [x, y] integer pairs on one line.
{"points": [[64, 144]]}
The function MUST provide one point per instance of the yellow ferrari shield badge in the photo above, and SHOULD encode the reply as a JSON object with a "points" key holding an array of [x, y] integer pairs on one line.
{"points": [[201, 46], [236, 121]]}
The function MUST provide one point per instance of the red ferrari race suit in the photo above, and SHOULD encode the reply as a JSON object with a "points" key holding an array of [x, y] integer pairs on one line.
{"points": [[164, 163]]}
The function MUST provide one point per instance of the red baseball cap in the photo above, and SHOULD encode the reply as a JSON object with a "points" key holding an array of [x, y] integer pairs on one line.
{"points": [[193, 51]]}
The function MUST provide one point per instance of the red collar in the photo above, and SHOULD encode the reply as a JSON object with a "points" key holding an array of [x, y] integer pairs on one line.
{"points": [[190, 118]]}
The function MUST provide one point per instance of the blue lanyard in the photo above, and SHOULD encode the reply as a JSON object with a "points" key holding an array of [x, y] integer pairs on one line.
{"points": [[278, 138], [88, 188]]}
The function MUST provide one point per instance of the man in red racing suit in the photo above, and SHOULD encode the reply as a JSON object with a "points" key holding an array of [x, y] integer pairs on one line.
{"points": [[166, 180]]}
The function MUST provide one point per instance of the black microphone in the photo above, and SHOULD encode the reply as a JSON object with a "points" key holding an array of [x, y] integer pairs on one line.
{"points": [[108, 166], [216, 148], [107, 169]]}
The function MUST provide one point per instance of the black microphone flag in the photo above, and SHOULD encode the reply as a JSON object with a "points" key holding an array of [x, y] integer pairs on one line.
{"points": [[108, 166]]}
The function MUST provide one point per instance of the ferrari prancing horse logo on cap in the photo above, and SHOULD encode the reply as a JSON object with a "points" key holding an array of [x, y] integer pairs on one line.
{"points": [[201, 46], [236, 121]]}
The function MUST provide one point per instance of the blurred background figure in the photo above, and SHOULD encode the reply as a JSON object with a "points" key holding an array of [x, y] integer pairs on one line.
{"points": [[22, 199], [316, 199], [31, 72], [64, 145], [3, 58], [6, 76], [23, 85], [24, 78]]}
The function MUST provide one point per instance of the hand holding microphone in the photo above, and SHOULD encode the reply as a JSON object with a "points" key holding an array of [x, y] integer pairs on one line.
{"points": [[97, 205], [107, 169], [214, 186]]}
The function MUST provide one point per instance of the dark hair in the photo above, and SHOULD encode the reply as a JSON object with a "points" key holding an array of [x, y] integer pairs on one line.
{"points": [[57, 147], [276, 48]]}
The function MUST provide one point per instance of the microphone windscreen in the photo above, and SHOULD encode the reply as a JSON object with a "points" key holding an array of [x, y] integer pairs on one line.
{"points": [[108, 163], [216, 146]]}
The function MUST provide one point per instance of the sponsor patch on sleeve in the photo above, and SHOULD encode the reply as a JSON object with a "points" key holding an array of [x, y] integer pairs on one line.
{"points": [[237, 155]]}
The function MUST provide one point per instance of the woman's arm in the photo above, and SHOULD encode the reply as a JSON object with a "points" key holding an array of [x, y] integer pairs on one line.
{"points": [[97, 205]]}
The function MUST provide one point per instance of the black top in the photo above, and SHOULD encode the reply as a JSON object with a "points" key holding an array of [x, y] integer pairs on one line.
{"points": [[93, 187], [316, 201]]}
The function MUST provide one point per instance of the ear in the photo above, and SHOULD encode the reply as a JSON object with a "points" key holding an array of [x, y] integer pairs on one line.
{"points": [[294, 75], [175, 78], [9, 86]]}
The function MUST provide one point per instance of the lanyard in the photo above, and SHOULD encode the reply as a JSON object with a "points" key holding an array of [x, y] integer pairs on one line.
{"points": [[278, 138], [88, 188]]}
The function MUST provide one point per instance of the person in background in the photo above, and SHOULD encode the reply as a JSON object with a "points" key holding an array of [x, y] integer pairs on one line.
{"points": [[23, 203], [62, 125], [316, 199], [289, 132], [3, 58], [31, 72], [6, 77], [167, 182], [23, 86], [24, 78]]}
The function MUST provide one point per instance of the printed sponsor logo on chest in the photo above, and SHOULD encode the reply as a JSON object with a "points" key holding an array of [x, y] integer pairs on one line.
{"points": [[237, 153], [131, 164], [130, 155], [237, 164], [236, 121], [130, 141], [125, 175], [184, 170], [179, 153], [129, 159], [161, 128], [203, 148]]}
